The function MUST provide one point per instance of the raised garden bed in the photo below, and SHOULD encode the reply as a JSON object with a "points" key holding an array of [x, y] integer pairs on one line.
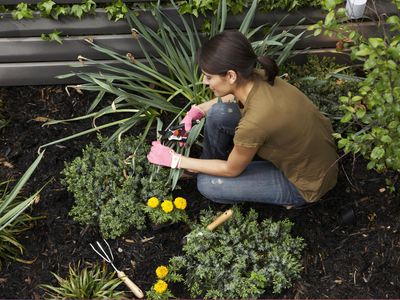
{"points": [[355, 260], [351, 236]]}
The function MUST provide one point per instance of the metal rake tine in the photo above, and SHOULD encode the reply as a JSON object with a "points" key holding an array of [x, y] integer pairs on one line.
{"points": [[94, 249], [109, 249]]}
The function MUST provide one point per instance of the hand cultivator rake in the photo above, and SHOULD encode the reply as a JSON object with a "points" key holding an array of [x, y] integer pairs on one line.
{"points": [[109, 257]]}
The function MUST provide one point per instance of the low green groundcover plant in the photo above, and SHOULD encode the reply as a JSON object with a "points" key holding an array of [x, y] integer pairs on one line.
{"points": [[111, 185], [240, 259], [85, 283]]}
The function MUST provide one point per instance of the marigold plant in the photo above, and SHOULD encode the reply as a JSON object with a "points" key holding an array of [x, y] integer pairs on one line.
{"points": [[160, 286], [161, 272], [153, 202], [160, 290], [180, 203], [168, 211], [167, 206]]}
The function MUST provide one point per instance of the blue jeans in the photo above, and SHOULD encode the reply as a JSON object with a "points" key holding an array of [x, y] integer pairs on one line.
{"points": [[260, 182]]}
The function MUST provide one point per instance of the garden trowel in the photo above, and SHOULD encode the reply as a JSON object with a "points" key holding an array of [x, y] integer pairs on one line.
{"points": [[214, 224]]}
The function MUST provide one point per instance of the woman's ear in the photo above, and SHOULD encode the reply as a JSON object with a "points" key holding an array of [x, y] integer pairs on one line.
{"points": [[232, 76]]}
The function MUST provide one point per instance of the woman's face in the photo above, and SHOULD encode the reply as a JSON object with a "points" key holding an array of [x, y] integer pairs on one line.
{"points": [[221, 85]]}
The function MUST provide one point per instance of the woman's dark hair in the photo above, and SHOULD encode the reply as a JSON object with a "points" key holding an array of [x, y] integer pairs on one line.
{"points": [[231, 50]]}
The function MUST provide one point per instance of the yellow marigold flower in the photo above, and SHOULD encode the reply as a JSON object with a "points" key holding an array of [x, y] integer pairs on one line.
{"points": [[180, 203], [153, 202], [167, 206], [161, 272], [160, 286]]}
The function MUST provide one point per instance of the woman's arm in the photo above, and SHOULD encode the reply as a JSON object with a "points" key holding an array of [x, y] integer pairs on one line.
{"points": [[237, 161]]}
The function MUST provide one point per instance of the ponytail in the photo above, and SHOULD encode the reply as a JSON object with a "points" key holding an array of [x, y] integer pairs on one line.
{"points": [[270, 67]]}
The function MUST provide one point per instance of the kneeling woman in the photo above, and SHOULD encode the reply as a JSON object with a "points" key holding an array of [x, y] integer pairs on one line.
{"points": [[264, 141]]}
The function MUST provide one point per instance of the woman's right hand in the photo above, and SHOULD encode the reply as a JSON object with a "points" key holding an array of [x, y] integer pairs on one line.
{"points": [[195, 113]]}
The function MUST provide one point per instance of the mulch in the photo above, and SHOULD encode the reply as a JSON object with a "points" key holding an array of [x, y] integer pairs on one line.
{"points": [[352, 235]]}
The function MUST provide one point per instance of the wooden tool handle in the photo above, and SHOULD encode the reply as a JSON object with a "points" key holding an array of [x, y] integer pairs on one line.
{"points": [[220, 219], [132, 286]]}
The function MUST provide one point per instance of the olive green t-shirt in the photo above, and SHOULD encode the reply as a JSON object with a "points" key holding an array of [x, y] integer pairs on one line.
{"points": [[291, 133]]}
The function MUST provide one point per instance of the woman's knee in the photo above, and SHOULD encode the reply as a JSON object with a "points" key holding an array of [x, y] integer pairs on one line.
{"points": [[207, 186], [223, 114], [204, 185]]}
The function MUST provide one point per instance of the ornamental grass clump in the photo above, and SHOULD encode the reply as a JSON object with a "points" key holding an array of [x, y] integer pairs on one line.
{"points": [[167, 210], [242, 258], [160, 290], [85, 283], [109, 184], [13, 217]]}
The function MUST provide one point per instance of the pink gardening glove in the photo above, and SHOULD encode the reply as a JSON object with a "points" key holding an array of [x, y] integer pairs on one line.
{"points": [[163, 156], [195, 113]]}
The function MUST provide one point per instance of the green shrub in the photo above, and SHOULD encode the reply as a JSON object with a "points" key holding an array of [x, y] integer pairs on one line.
{"points": [[241, 258], [87, 283], [111, 185], [372, 114], [316, 78]]}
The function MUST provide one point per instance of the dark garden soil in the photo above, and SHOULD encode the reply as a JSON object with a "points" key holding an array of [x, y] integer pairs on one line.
{"points": [[344, 257]]}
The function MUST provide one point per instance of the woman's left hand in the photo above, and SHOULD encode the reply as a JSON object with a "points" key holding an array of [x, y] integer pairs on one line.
{"points": [[163, 155]]}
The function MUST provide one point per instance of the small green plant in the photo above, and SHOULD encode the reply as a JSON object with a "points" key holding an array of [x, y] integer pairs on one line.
{"points": [[160, 290], [109, 184], [13, 219], [53, 36], [86, 7], [3, 10], [197, 7], [85, 283], [116, 10], [371, 113], [241, 259], [22, 11], [46, 7], [167, 210]]}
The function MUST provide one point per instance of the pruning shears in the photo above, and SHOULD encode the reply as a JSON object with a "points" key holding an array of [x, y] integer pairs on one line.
{"points": [[176, 133]]}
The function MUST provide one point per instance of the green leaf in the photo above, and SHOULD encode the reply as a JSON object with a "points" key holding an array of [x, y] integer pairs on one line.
{"points": [[377, 153], [386, 139], [364, 51], [371, 165], [76, 11], [360, 113], [46, 6], [393, 20], [329, 18], [376, 42], [346, 118], [342, 143], [330, 4], [356, 98]]}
